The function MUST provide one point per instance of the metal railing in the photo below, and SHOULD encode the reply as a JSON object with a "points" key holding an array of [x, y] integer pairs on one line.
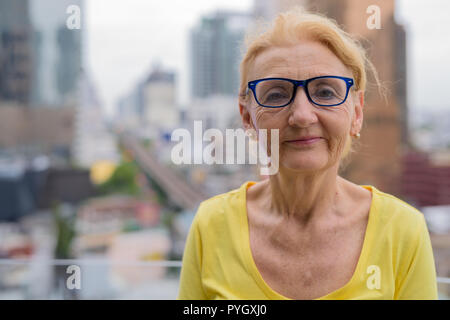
{"points": [[443, 280], [88, 279], [101, 279]]}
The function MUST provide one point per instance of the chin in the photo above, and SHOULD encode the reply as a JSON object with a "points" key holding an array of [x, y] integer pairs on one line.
{"points": [[303, 164]]}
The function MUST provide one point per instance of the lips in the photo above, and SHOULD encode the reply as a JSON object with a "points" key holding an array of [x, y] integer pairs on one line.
{"points": [[304, 142], [304, 139]]}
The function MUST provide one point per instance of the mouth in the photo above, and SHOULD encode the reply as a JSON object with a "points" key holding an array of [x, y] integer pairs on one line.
{"points": [[305, 141]]}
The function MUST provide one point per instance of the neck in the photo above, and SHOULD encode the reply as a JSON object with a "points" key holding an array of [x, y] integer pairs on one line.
{"points": [[304, 197]]}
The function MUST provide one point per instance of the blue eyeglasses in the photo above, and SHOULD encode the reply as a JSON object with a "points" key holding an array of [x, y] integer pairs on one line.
{"points": [[324, 91]]}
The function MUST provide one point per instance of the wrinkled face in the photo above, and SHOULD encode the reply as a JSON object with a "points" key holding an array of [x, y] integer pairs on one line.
{"points": [[302, 118]]}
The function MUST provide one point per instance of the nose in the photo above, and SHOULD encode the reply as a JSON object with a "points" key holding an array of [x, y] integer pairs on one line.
{"points": [[302, 112]]}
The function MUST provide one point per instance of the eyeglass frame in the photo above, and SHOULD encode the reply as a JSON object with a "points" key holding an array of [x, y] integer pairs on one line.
{"points": [[299, 83]]}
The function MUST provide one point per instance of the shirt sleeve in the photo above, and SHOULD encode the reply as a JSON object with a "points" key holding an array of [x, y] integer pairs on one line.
{"points": [[419, 282], [191, 271]]}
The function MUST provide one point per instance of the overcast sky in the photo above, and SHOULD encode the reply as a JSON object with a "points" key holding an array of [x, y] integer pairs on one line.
{"points": [[124, 39], [428, 41]]}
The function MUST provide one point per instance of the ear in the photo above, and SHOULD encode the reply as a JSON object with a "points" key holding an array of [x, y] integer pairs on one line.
{"points": [[358, 115], [245, 114]]}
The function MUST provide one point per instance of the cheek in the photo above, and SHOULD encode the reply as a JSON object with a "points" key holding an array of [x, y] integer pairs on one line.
{"points": [[268, 119], [338, 130]]}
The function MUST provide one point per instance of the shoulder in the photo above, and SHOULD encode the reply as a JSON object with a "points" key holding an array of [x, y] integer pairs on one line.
{"points": [[394, 207], [403, 231], [397, 216], [220, 207]]}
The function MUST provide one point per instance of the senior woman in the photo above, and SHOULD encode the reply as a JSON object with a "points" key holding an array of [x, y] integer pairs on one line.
{"points": [[305, 232]]}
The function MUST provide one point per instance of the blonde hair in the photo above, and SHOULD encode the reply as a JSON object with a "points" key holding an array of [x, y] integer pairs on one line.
{"points": [[297, 24]]}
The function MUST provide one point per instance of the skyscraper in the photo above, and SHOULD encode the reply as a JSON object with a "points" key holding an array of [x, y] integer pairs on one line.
{"points": [[57, 53], [16, 68], [160, 113], [68, 70], [40, 57], [215, 53]]}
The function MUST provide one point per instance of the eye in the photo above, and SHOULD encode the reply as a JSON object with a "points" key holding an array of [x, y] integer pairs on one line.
{"points": [[277, 96], [325, 93]]}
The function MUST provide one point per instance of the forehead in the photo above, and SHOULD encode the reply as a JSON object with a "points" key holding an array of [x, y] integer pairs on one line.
{"points": [[301, 61]]}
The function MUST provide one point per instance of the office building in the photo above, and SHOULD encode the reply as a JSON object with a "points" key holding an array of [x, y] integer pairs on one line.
{"points": [[215, 53]]}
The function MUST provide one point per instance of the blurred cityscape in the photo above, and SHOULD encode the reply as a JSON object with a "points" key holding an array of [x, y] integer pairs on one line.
{"points": [[78, 187]]}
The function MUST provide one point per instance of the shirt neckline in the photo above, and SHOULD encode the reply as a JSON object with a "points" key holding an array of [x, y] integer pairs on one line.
{"points": [[251, 265]]}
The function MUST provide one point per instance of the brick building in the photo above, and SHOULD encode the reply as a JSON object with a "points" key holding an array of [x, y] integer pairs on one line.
{"points": [[425, 181]]}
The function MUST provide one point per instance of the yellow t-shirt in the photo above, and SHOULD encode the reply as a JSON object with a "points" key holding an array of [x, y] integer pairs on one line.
{"points": [[396, 260]]}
